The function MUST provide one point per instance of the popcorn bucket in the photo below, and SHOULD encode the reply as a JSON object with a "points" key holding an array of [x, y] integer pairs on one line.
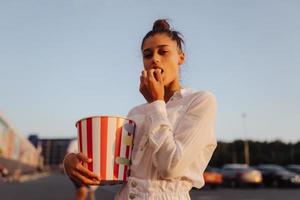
{"points": [[108, 140]]}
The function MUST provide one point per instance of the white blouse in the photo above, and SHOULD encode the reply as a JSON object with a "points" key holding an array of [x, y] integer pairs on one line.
{"points": [[173, 144]]}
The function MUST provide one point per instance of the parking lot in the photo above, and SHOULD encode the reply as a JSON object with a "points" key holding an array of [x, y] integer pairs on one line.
{"points": [[57, 186], [246, 194]]}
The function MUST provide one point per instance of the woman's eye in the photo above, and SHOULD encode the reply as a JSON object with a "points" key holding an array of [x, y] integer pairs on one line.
{"points": [[147, 55], [162, 52]]}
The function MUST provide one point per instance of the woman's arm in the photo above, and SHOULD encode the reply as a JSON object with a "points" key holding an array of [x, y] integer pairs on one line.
{"points": [[76, 171], [175, 150]]}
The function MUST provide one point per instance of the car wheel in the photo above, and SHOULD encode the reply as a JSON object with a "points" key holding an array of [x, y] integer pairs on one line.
{"points": [[275, 183], [232, 184]]}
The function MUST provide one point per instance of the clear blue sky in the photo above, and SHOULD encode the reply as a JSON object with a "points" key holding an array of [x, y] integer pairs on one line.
{"points": [[63, 60]]}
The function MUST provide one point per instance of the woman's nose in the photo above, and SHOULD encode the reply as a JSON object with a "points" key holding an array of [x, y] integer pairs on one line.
{"points": [[155, 59]]}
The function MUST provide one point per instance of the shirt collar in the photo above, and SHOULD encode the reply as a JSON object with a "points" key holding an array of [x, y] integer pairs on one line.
{"points": [[183, 92]]}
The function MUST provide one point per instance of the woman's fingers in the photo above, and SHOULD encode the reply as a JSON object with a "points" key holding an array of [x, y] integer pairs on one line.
{"points": [[144, 77], [143, 81], [155, 84], [83, 179], [144, 73], [150, 75], [80, 168], [144, 91], [158, 76], [83, 158], [142, 84], [160, 79], [154, 76], [86, 172], [70, 161], [151, 85], [75, 169]]}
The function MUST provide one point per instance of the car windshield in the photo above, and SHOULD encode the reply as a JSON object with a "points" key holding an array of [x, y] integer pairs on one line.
{"points": [[235, 166], [294, 167], [212, 169], [272, 168]]}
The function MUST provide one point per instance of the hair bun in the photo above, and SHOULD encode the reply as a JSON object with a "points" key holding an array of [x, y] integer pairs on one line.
{"points": [[161, 25]]}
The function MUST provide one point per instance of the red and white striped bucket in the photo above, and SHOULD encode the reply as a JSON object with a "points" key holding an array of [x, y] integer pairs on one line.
{"points": [[108, 140]]}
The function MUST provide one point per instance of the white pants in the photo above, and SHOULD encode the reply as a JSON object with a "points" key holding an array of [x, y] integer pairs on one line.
{"points": [[138, 189]]}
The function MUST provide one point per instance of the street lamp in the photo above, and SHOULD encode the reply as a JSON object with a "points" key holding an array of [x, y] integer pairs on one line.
{"points": [[246, 144]]}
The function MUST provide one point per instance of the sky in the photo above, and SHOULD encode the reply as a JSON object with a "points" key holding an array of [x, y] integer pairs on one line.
{"points": [[62, 60]]}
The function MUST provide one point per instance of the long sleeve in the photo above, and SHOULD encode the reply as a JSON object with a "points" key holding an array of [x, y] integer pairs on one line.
{"points": [[175, 148]]}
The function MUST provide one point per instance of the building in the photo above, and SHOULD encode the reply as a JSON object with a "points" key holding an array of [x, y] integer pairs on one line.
{"points": [[16, 152], [54, 150]]}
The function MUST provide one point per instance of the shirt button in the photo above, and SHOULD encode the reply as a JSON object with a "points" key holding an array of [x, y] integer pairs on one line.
{"points": [[133, 184], [131, 196]]}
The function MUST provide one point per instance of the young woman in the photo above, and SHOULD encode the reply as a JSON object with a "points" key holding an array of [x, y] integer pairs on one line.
{"points": [[81, 191], [174, 138]]}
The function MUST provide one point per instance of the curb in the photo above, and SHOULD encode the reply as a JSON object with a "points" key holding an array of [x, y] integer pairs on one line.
{"points": [[32, 177]]}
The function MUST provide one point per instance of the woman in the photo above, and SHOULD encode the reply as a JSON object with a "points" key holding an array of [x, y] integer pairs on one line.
{"points": [[81, 191], [174, 137]]}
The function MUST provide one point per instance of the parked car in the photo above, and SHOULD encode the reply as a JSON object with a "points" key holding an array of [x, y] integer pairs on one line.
{"points": [[293, 168], [212, 177], [277, 176], [236, 175]]}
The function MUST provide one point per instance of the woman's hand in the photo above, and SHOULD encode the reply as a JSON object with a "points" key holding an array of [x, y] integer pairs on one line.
{"points": [[77, 172], [151, 85]]}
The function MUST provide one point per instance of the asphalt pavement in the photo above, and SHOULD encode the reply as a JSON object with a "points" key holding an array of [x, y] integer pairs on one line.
{"points": [[57, 186]]}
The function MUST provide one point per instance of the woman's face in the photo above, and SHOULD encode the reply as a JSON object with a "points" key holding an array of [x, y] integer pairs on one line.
{"points": [[159, 51]]}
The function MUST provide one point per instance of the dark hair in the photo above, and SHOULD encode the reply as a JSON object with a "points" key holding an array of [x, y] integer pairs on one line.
{"points": [[162, 26]]}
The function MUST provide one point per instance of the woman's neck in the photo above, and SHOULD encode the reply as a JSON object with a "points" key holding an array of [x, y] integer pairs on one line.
{"points": [[170, 89]]}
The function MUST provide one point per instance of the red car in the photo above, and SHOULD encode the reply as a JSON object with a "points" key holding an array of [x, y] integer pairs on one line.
{"points": [[212, 177], [236, 175]]}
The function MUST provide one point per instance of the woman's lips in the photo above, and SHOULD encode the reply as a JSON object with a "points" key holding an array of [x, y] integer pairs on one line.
{"points": [[161, 70]]}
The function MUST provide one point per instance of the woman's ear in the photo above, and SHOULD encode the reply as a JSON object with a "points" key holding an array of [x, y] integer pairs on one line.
{"points": [[181, 58]]}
